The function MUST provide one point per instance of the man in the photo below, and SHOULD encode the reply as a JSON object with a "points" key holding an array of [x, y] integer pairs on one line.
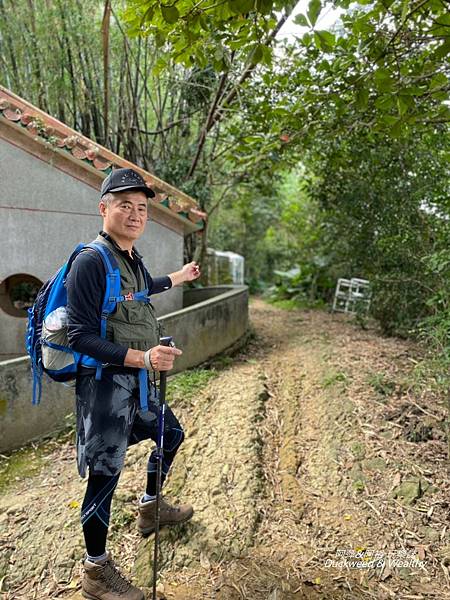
{"points": [[109, 418]]}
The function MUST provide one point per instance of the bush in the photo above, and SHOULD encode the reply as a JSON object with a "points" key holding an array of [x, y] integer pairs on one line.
{"points": [[306, 285]]}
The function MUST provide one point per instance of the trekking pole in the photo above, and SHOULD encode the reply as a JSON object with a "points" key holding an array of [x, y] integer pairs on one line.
{"points": [[164, 341]]}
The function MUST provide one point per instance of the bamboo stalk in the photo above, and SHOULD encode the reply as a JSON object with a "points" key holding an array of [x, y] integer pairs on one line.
{"points": [[105, 42]]}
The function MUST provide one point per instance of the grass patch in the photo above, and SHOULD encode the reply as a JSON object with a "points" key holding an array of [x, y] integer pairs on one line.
{"points": [[381, 384], [28, 461], [358, 450], [294, 304], [121, 518], [185, 385], [20, 465], [359, 486], [286, 304], [222, 362], [334, 377], [432, 374]]}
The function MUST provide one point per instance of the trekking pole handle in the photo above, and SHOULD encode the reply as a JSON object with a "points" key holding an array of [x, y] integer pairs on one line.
{"points": [[167, 341]]}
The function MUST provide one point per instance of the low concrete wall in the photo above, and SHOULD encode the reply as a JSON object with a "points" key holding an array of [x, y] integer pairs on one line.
{"points": [[195, 295], [208, 327], [200, 330]]}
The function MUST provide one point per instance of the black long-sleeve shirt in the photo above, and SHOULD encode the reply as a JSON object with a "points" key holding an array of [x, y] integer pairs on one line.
{"points": [[86, 285]]}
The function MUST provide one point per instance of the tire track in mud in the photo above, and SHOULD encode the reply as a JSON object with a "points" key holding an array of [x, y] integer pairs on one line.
{"points": [[302, 420], [276, 441], [219, 470]]}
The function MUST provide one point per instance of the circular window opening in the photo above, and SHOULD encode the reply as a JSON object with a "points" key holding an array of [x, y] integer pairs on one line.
{"points": [[17, 294]]}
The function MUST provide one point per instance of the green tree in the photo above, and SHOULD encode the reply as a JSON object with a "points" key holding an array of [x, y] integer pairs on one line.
{"points": [[386, 203]]}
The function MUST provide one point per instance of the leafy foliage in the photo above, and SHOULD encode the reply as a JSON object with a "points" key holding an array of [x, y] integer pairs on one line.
{"points": [[386, 61], [203, 33], [387, 206], [302, 286]]}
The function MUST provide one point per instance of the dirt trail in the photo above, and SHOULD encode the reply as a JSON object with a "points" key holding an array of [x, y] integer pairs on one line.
{"points": [[307, 454]]}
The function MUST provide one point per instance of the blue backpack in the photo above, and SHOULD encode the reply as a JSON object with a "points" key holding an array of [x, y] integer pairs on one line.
{"points": [[46, 337]]}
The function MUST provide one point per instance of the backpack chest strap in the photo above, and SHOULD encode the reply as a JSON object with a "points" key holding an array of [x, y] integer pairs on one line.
{"points": [[141, 296]]}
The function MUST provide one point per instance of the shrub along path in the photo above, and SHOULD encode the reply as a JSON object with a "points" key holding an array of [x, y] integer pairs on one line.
{"points": [[315, 471]]}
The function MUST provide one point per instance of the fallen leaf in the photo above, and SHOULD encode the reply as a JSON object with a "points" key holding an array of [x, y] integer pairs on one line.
{"points": [[204, 561], [397, 479], [315, 581], [74, 504], [421, 552]]}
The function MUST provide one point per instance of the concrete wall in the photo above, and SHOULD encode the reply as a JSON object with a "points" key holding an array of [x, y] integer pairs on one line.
{"points": [[201, 331], [194, 295], [44, 214], [207, 328]]}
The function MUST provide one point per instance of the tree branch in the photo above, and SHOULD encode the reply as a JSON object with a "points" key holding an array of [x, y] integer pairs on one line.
{"points": [[207, 126], [217, 112]]}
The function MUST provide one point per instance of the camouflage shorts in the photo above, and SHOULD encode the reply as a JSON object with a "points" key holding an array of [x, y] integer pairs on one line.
{"points": [[109, 419]]}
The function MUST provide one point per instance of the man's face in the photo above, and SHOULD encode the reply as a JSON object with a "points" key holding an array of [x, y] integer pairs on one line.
{"points": [[125, 216]]}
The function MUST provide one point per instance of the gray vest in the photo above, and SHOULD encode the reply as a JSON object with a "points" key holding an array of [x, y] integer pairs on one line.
{"points": [[134, 323]]}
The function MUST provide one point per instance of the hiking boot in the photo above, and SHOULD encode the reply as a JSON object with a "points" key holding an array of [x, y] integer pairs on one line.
{"points": [[103, 581], [168, 515]]}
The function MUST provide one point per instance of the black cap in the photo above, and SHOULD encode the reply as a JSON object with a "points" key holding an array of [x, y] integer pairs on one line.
{"points": [[120, 180]]}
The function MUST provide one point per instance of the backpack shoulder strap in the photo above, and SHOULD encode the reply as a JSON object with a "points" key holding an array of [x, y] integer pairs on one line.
{"points": [[112, 289], [73, 256]]}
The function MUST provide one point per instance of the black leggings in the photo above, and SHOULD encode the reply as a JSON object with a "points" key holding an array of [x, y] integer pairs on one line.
{"points": [[173, 438], [96, 508], [96, 511]]}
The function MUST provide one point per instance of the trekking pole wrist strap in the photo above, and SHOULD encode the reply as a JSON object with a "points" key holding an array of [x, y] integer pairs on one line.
{"points": [[147, 361]]}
